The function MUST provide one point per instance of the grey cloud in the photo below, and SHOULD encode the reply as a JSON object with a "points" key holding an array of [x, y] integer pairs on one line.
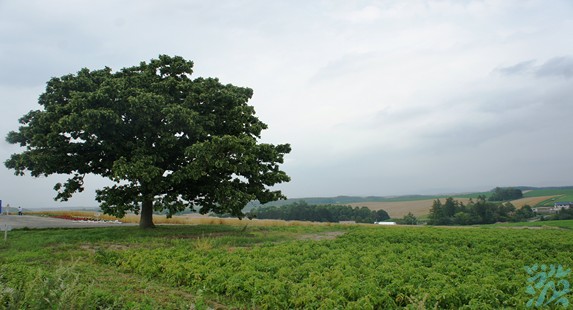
{"points": [[519, 68], [555, 67], [504, 113], [558, 66], [481, 117], [344, 66]]}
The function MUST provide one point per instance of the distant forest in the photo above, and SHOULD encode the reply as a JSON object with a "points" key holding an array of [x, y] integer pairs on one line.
{"points": [[301, 211]]}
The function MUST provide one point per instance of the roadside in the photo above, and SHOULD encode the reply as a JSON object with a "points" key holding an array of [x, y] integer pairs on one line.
{"points": [[30, 221]]}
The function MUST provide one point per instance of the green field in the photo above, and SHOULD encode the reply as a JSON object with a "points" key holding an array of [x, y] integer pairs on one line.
{"points": [[562, 195], [310, 267], [548, 192], [562, 198], [566, 224]]}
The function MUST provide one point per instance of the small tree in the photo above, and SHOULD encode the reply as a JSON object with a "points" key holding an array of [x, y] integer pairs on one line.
{"points": [[463, 218], [409, 219], [484, 211], [564, 214], [505, 211], [526, 212], [381, 215], [167, 141], [438, 215]]}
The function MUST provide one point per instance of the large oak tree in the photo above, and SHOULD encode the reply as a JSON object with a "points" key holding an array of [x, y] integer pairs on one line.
{"points": [[168, 142]]}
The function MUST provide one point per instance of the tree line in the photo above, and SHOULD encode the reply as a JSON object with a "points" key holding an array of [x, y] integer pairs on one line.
{"points": [[481, 211], [302, 211]]}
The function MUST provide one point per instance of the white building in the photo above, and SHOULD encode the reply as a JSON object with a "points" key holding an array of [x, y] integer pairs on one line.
{"points": [[562, 205], [556, 207]]}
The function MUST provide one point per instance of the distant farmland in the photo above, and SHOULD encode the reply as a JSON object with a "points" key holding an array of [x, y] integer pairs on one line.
{"points": [[532, 201], [397, 209], [420, 205]]}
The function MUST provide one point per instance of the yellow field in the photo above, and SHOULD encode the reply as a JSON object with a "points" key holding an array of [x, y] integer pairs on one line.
{"points": [[532, 201], [400, 208]]}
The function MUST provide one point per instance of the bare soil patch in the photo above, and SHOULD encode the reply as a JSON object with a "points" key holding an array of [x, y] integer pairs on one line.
{"points": [[329, 235], [212, 235]]}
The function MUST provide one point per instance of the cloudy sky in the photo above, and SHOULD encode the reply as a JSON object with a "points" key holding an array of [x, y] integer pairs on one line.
{"points": [[375, 97]]}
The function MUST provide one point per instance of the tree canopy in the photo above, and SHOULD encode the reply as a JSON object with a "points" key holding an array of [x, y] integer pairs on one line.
{"points": [[168, 142], [505, 194]]}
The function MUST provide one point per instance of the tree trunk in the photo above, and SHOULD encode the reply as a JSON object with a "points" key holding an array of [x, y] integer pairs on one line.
{"points": [[146, 219]]}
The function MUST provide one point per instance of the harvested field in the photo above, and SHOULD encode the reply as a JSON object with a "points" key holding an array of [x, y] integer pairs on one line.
{"points": [[422, 207], [400, 208], [532, 201]]}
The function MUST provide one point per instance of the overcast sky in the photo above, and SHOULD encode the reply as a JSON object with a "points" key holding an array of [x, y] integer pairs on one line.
{"points": [[375, 97]]}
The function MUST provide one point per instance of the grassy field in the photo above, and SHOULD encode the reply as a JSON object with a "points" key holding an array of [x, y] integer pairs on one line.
{"points": [[275, 267], [554, 195], [548, 192], [551, 201]]}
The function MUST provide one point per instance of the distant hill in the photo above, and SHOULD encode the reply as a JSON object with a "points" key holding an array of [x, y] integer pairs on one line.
{"points": [[530, 188], [360, 199], [562, 191], [341, 200]]}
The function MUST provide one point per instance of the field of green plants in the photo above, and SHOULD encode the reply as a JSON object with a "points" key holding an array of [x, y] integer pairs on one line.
{"points": [[566, 224], [561, 195], [310, 267]]}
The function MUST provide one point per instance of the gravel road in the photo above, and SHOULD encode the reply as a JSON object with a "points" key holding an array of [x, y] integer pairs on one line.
{"points": [[30, 221]]}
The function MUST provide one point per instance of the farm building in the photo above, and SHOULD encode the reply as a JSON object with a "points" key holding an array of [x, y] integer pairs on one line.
{"points": [[562, 205], [556, 207], [544, 210]]}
